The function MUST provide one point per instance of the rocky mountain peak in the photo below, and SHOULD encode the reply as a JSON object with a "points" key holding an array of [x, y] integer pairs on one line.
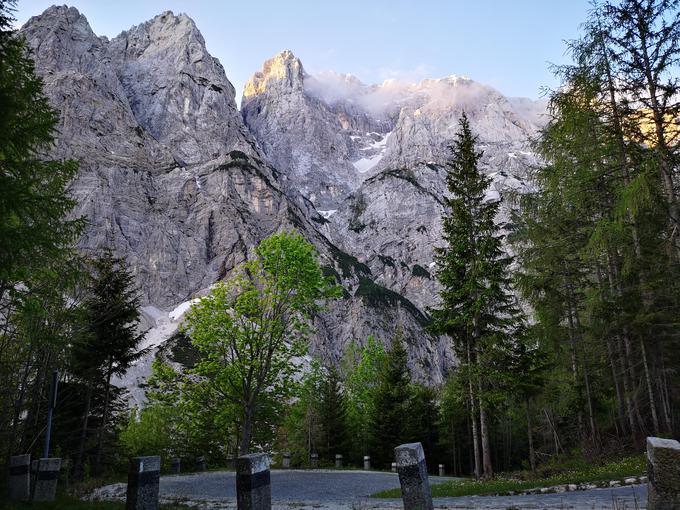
{"points": [[284, 72], [66, 39]]}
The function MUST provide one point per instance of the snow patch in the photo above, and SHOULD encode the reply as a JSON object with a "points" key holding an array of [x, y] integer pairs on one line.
{"points": [[164, 326], [327, 214], [181, 309], [365, 164]]}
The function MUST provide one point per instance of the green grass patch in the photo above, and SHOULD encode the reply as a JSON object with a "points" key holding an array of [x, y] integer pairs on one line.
{"points": [[570, 473], [68, 502]]}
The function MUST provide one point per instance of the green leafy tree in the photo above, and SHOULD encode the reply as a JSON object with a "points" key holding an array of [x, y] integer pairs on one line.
{"points": [[361, 368], [477, 310], [301, 433], [252, 327]]}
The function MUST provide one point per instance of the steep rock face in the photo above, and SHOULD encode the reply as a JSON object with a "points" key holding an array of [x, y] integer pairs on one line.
{"points": [[172, 180], [178, 92], [306, 139], [397, 136]]}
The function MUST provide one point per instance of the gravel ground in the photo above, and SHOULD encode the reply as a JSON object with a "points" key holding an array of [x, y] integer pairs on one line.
{"points": [[349, 490]]}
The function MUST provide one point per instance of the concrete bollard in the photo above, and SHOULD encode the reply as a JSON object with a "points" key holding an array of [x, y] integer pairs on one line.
{"points": [[394, 467], [200, 463], [314, 460], [175, 466], [253, 482], [143, 483], [663, 470], [231, 461], [441, 470], [46, 480], [367, 462], [415, 486], [20, 477], [338, 461], [285, 464]]}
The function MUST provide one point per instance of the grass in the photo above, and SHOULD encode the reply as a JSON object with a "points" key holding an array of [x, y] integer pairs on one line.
{"points": [[571, 473], [68, 502]]}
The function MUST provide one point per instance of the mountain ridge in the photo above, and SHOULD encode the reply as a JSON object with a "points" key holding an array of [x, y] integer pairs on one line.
{"points": [[173, 180]]}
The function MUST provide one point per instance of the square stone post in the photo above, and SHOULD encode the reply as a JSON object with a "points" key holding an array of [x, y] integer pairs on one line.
{"points": [[367, 462], [231, 461], [285, 463], [20, 477], [338, 461], [314, 460], [175, 465], [253, 482], [441, 470], [394, 467], [415, 486], [663, 471], [143, 483], [200, 463], [46, 479]]}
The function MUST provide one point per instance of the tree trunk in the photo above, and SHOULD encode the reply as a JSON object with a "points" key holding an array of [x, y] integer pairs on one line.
{"points": [[486, 447], [246, 430], [530, 437], [650, 389], [78, 468], [473, 414], [105, 419]]}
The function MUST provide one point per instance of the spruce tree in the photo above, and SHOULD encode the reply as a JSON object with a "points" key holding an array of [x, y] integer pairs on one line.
{"points": [[477, 309], [388, 422], [333, 416], [111, 343]]}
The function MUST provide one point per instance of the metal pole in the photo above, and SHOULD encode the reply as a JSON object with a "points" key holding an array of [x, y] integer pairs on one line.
{"points": [[50, 407]]}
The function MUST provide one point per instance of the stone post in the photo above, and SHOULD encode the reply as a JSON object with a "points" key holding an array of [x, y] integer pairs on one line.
{"points": [[285, 464], [415, 486], [253, 482], [394, 467], [314, 460], [338, 461], [20, 477], [663, 471], [231, 461], [143, 483], [176, 466], [200, 463], [441, 470], [367, 462], [46, 479]]}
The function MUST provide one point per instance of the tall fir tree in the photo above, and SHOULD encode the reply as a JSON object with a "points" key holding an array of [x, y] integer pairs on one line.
{"points": [[332, 416], [388, 421], [111, 343], [477, 309]]}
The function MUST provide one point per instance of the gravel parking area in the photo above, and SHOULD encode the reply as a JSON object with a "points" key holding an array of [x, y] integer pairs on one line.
{"points": [[350, 490]]}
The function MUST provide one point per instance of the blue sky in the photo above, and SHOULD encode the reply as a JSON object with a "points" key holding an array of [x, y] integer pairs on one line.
{"points": [[503, 43]]}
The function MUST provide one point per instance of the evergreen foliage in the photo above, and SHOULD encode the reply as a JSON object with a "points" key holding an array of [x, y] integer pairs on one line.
{"points": [[478, 310], [390, 409]]}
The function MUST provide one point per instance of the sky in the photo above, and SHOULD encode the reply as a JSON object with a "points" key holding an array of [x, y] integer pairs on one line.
{"points": [[507, 44]]}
